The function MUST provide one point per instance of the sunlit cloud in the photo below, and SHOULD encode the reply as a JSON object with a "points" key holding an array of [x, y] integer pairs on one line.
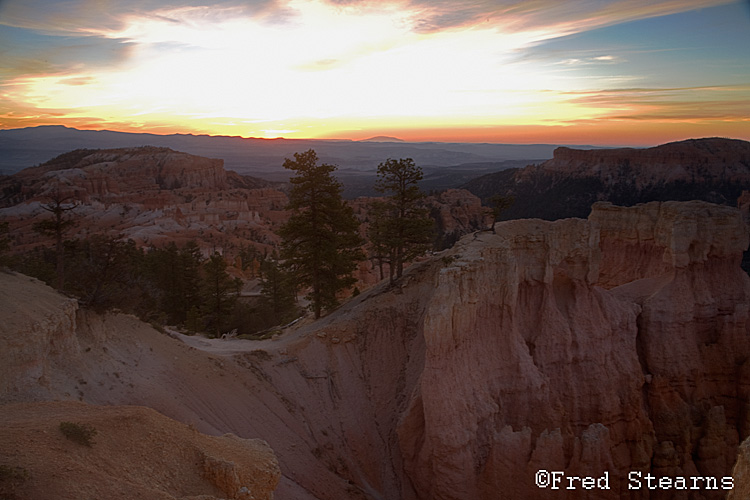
{"points": [[588, 60], [317, 67]]}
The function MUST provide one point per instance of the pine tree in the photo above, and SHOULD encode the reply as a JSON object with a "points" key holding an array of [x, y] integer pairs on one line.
{"points": [[59, 206], [176, 273], [277, 291], [401, 228], [4, 241], [220, 293], [104, 271], [499, 205], [321, 243]]}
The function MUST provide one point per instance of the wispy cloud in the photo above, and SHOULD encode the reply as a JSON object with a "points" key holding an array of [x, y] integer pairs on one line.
{"points": [[71, 17], [293, 63], [723, 103], [585, 61], [547, 17]]}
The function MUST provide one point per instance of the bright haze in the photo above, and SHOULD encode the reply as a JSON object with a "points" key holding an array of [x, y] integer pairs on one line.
{"points": [[602, 72]]}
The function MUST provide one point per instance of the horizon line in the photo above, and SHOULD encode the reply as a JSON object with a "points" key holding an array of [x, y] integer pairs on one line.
{"points": [[396, 140]]}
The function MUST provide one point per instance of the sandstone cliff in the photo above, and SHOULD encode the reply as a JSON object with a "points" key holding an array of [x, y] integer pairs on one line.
{"points": [[528, 349], [458, 212], [711, 169], [155, 196], [136, 453], [151, 195], [694, 160]]}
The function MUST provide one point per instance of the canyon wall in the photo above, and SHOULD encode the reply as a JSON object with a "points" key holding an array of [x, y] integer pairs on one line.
{"points": [[694, 160], [532, 348], [156, 196], [716, 170]]}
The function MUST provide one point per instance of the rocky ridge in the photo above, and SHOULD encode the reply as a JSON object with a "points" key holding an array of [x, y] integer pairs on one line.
{"points": [[156, 195], [151, 195], [711, 169], [694, 160], [136, 452], [528, 349]]}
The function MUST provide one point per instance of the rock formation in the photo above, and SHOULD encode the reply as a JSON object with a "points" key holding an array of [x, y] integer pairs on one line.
{"points": [[136, 452], [155, 196], [694, 160], [458, 212], [713, 169], [530, 349], [151, 195]]}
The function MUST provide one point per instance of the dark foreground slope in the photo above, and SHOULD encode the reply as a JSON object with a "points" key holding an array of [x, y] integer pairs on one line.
{"points": [[533, 348], [715, 170]]}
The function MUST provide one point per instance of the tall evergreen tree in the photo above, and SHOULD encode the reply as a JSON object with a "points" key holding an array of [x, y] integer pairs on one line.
{"points": [[104, 271], [401, 228], [321, 243], [176, 273], [220, 293], [4, 241], [59, 206], [277, 291]]}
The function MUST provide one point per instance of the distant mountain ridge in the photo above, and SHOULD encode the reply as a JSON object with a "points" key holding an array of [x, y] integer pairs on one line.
{"points": [[383, 138], [711, 169], [26, 147]]}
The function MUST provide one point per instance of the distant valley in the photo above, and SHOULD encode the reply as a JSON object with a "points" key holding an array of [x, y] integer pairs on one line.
{"points": [[356, 160], [612, 343]]}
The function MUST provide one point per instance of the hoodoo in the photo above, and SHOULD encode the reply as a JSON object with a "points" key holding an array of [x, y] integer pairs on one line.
{"points": [[584, 348]]}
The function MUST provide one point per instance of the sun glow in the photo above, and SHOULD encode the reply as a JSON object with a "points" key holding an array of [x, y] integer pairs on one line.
{"points": [[315, 68], [325, 62]]}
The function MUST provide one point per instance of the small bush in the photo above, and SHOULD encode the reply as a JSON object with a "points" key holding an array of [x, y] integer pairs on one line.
{"points": [[448, 259], [10, 479], [80, 433]]}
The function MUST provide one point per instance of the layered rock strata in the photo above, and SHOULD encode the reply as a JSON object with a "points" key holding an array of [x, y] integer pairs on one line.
{"points": [[134, 453], [716, 170], [530, 349]]}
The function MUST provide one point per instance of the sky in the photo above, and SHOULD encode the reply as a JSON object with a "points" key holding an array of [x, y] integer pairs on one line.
{"points": [[601, 72]]}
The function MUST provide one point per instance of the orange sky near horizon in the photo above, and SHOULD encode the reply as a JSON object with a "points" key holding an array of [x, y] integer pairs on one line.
{"points": [[599, 72]]}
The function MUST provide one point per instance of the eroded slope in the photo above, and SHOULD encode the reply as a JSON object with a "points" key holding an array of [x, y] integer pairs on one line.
{"points": [[531, 348]]}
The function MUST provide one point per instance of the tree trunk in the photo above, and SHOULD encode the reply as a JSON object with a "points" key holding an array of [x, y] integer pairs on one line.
{"points": [[60, 258]]}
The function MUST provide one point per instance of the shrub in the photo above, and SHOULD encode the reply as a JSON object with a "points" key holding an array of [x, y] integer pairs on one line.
{"points": [[80, 433], [10, 479]]}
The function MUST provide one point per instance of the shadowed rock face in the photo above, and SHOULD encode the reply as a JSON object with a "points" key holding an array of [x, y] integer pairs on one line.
{"points": [[695, 160], [155, 196], [533, 348], [151, 195], [135, 453], [712, 169]]}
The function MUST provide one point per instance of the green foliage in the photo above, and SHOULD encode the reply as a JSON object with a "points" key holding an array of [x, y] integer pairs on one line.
{"points": [[193, 320], [10, 479], [59, 206], [104, 272], [4, 242], [219, 292], [38, 263], [321, 243], [175, 273], [82, 434], [500, 204], [401, 227], [250, 256], [448, 259], [278, 294]]}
